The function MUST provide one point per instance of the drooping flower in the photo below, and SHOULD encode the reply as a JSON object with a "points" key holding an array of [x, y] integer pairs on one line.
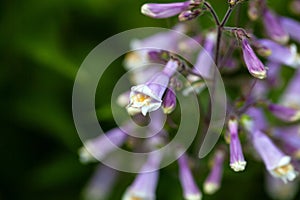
{"points": [[273, 27], [253, 63], [285, 113], [277, 163], [144, 185], [291, 95], [147, 97], [97, 188], [164, 10], [99, 147], [292, 27], [190, 189], [213, 181], [237, 161], [282, 54]]}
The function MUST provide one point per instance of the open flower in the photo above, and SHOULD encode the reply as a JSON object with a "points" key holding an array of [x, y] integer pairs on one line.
{"points": [[147, 97], [277, 163], [291, 95]]}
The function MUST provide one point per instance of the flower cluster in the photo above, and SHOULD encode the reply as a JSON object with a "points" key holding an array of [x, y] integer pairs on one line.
{"points": [[258, 124]]}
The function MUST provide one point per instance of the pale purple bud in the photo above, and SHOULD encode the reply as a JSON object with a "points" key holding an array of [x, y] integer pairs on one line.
{"points": [[273, 27], [169, 101], [277, 163], [144, 185], [189, 186], [282, 54], [253, 63], [101, 146], [147, 97], [287, 114], [279, 190], [165, 10], [292, 27], [101, 183], [291, 96], [237, 161], [213, 181]]}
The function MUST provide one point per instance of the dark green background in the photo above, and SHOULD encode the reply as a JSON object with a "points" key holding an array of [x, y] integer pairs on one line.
{"points": [[42, 45]]}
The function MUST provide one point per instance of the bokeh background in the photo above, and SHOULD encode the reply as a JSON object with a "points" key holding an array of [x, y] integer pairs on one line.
{"points": [[42, 46]]}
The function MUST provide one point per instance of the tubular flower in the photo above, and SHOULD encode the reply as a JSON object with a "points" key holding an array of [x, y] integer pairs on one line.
{"points": [[277, 163], [190, 188], [147, 97], [237, 161]]}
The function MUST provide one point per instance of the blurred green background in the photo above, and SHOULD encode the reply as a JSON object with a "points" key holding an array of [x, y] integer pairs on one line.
{"points": [[42, 45]]}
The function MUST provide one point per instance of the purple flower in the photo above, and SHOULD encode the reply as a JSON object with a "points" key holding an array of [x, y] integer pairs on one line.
{"points": [[254, 65], [291, 96], [285, 113], [165, 10], [190, 189], [282, 54], [169, 101], [101, 183], [102, 145], [189, 15], [277, 163], [213, 181], [273, 27], [274, 79], [292, 27], [144, 185], [147, 97], [237, 161]]}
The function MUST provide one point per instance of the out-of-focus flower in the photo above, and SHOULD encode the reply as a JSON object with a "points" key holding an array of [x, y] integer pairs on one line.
{"points": [[237, 161], [292, 27], [280, 190], [273, 27], [290, 137], [213, 181], [282, 54], [144, 185], [101, 146], [284, 113], [254, 9], [147, 97], [164, 10], [101, 183], [190, 188], [253, 63], [291, 95], [277, 163]]}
